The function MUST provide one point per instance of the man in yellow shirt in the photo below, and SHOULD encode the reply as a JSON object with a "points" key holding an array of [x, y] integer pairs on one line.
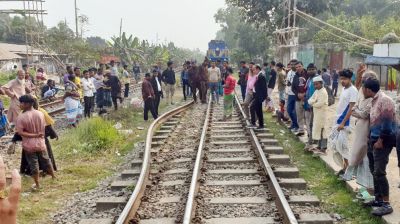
{"points": [[77, 82]]}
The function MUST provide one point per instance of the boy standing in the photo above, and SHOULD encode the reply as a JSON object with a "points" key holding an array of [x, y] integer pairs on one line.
{"points": [[347, 100]]}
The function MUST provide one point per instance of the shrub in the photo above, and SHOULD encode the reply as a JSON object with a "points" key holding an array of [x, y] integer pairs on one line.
{"points": [[91, 136]]}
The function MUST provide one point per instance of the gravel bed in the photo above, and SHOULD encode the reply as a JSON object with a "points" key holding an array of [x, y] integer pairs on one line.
{"points": [[190, 126], [208, 211], [220, 177], [166, 191], [296, 192], [220, 166], [150, 210], [308, 208], [83, 205], [172, 177], [214, 155], [235, 191]]}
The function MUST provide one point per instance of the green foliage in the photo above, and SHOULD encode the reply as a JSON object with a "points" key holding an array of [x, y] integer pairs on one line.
{"points": [[367, 26], [244, 40], [270, 14], [91, 136], [12, 29], [132, 50]]}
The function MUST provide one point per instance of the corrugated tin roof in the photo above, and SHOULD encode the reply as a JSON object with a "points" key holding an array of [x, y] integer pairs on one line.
{"points": [[386, 61], [6, 55], [21, 49]]}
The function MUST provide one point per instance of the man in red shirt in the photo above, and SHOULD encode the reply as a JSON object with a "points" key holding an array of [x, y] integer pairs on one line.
{"points": [[30, 126]]}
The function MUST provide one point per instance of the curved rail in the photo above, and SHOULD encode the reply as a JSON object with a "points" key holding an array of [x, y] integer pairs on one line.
{"points": [[190, 204], [273, 184], [134, 200]]}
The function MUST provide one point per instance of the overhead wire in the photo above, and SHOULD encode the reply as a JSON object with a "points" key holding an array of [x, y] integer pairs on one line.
{"points": [[333, 34], [334, 27]]}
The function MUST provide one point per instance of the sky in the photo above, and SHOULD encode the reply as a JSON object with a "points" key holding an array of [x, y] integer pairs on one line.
{"points": [[187, 23]]}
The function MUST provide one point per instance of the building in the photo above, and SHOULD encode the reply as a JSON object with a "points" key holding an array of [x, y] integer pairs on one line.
{"points": [[19, 54]]}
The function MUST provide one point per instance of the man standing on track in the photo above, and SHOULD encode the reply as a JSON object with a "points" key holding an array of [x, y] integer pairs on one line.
{"points": [[156, 84], [260, 94], [243, 75], [148, 97], [185, 80], [229, 88], [168, 77], [214, 77]]}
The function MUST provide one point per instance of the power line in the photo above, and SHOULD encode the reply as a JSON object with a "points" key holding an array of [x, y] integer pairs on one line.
{"points": [[334, 27], [333, 34]]}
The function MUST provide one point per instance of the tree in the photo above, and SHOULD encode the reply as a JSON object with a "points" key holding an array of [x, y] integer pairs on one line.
{"points": [[97, 42], [242, 38], [270, 14]]}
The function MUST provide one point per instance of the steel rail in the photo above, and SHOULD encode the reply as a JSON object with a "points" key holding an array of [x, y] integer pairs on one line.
{"points": [[135, 199], [194, 186], [273, 184]]}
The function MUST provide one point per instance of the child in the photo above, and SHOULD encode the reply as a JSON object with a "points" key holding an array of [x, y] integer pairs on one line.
{"points": [[319, 102], [347, 100], [280, 114]]}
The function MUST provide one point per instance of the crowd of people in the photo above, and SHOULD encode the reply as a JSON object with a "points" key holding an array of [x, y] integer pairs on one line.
{"points": [[305, 95], [33, 126]]}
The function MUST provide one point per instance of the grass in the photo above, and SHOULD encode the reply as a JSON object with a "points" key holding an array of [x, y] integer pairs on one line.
{"points": [[5, 77], [322, 182], [84, 156]]}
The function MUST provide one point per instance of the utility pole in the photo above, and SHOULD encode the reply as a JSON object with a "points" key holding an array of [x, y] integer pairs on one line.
{"points": [[120, 29], [294, 13], [289, 7], [76, 20]]}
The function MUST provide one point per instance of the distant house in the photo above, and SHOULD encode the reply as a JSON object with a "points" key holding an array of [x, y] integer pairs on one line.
{"points": [[105, 59], [18, 54]]}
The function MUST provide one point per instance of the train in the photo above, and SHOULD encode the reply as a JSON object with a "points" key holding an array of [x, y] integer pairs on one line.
{"points": [[217, 50]]}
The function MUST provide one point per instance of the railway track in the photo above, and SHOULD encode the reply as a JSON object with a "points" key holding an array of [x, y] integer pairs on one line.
{"points": [[198, 169]]}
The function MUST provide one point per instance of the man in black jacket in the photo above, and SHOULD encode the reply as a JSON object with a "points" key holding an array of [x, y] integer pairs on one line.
{"points": [[260, 94], [113, 82], [168, 77], [299, 89], [156, 84]]}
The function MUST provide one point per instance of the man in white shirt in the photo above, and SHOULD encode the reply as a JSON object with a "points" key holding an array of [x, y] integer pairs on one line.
{"points": [[114, 68], [156, 84], [214, 78], [88, 96], [92, 73], [291, 102]]}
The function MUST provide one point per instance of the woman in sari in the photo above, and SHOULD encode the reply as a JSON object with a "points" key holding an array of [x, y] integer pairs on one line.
{"points": [[229, 88], [73, 107]]}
